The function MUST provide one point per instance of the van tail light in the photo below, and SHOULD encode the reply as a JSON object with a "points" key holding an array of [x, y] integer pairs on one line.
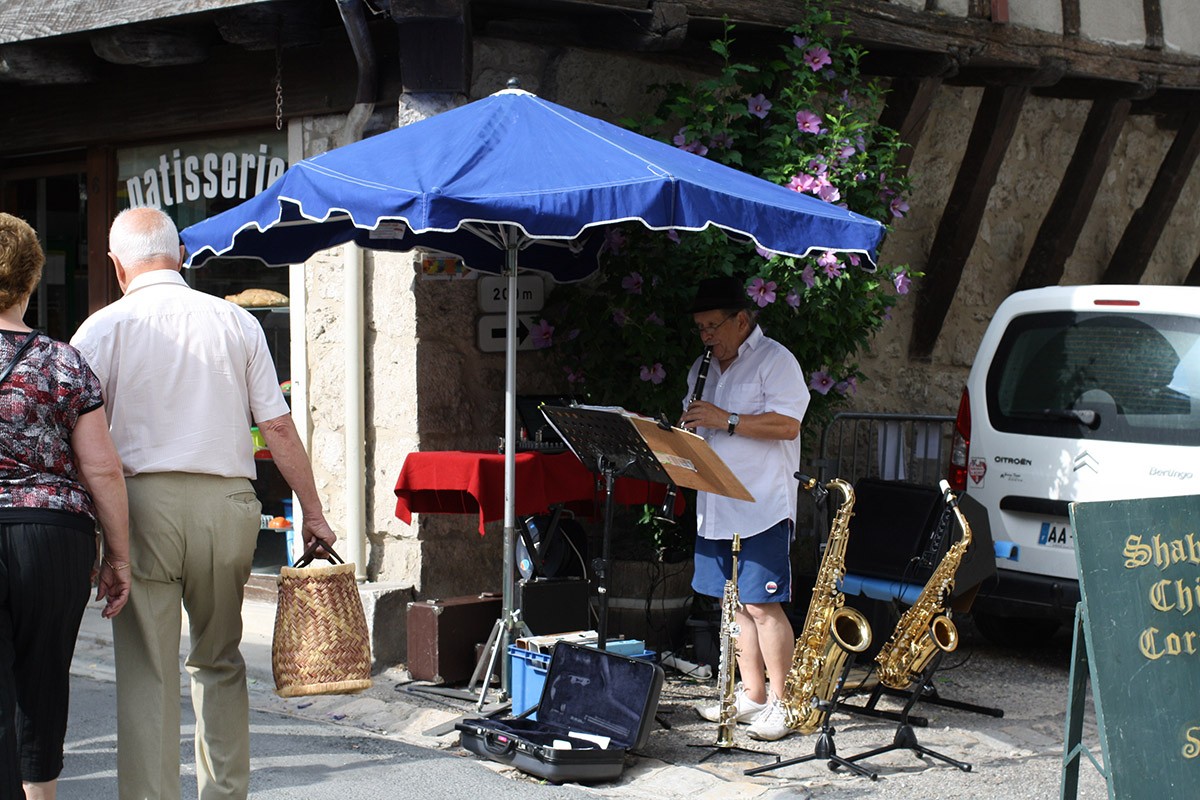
{"points": [[960, 445]]}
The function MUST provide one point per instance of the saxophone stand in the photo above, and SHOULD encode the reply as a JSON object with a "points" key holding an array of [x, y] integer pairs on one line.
{"points": [[906, 737], [718, 747], [824, 749], [926, 693]]}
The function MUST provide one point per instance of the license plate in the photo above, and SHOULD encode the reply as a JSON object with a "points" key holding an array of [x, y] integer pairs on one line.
{"points": [[1055, 534]]}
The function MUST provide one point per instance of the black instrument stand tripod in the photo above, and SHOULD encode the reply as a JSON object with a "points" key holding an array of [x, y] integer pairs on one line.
{"points": [[824, 749], [609, 447], [906, 737]]}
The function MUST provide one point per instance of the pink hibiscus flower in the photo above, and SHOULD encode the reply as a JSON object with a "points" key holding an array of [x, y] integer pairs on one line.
{"points": [[762, 292], [759, 105]]}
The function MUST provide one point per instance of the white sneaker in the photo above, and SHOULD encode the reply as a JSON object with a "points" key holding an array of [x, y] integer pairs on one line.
{"points": [[770, 724], [746, 708]]}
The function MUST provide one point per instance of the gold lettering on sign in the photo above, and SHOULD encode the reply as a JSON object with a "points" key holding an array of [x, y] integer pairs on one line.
{"points": [[1153, 646], [1192, 748], [1163, 554], [1137, 554], [1174, 596]]}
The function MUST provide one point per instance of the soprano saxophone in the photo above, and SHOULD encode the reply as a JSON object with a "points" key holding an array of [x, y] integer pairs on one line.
{"points": [[831, 630], [727, 669], [925, 628]]}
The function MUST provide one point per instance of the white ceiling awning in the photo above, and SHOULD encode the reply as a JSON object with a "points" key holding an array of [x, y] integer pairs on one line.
{"points": [[27, 20]]}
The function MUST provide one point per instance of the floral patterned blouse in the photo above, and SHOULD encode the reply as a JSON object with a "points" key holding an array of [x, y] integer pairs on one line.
{"points": [[40, 402]]}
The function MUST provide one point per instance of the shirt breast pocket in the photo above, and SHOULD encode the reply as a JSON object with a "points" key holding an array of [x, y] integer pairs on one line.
{"points": [[745, 398]]}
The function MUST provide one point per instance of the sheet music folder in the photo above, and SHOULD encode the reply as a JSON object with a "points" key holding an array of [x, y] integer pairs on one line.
{"points": [[660, 454]]}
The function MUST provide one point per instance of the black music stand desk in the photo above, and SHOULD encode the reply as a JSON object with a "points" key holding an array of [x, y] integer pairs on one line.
{"points": [[613, 443]]}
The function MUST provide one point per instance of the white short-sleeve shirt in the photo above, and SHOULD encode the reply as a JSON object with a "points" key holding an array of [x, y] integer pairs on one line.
{"points": [[765, 376], [185, 375]]}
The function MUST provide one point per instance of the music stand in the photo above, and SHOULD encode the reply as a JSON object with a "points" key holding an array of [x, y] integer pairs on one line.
{"points": [[613, 443]]}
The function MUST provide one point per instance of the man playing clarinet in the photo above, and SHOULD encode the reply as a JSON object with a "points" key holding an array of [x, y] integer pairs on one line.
{"points": [[748, 406]]}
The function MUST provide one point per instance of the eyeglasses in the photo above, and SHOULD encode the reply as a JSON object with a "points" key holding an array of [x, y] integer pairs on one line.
{"points": [[709, 329]]}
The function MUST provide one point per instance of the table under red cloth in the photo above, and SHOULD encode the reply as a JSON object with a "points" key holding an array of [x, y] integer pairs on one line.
{"points": [[459, 482]]}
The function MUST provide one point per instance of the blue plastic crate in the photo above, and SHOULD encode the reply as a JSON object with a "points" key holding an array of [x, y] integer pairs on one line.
{"points": [[528, 670]]}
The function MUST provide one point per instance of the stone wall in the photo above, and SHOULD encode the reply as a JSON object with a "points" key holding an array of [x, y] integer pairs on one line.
{"points": [[1027, 183]]}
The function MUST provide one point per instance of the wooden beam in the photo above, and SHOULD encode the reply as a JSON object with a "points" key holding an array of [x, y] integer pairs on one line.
{"points": [[1064, 221], [36, 65], [876, 23], [1152, 11], [235, 90], [1130, 259], [150, 46], [1092, 89], [995, 122], [435, 45], [25, 20], [101, 208], [907, 110], [1070, 17], [1193, 277]]}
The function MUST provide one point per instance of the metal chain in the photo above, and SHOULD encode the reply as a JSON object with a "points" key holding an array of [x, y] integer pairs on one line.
{"points": [[278, 87]]}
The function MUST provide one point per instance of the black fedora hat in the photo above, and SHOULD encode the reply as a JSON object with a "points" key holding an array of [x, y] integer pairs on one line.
{"points": [[726, 293]]}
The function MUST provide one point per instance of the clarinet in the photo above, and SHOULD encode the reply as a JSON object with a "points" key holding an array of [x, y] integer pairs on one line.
{"points": [[666, 512], [701, 376]]}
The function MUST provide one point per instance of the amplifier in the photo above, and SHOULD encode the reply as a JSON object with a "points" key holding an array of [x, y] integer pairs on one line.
{"points": [[550, 605]]}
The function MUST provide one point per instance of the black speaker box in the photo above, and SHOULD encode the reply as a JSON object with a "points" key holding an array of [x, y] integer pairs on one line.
{"points": [[894, 534], [554, 605]]}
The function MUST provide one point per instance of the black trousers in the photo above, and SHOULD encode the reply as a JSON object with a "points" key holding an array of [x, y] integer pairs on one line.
{"points": [[45, 582]]}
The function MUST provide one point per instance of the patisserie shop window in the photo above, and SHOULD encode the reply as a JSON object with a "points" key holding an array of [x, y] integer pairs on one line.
{"points": [[193, 180]]}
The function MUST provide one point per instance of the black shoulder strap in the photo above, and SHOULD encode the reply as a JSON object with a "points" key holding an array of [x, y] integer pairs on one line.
{"points": [[17, 355]]}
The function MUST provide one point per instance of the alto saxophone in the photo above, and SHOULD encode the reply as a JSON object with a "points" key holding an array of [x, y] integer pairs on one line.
{"points": [[925, 628], [831, 630], [727, 669]]}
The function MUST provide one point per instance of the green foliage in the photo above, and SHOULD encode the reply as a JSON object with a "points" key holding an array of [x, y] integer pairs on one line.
{"points": [[805, 119]]}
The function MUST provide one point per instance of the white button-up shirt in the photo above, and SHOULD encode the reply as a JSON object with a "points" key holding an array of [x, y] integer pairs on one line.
{"points": [[764, 377], [185, 375]]}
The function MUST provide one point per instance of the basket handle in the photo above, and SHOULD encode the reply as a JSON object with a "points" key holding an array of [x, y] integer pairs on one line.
{"points": [[311, 553]]}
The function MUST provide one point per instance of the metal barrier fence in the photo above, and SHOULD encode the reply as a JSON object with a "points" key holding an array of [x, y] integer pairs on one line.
{"points": [[899, 447]]}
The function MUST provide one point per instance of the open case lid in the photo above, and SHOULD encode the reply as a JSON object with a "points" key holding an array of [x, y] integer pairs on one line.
{"points": [[598, 692]]}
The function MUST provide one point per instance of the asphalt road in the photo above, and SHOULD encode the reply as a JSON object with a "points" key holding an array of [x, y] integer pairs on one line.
{"points": [[293, 758]]}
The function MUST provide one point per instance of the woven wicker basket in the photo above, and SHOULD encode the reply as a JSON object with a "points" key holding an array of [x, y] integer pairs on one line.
{"points": [[321, 643]]}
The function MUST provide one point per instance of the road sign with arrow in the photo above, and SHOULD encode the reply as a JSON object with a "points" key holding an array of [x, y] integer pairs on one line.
{"points": [[492, 331]]}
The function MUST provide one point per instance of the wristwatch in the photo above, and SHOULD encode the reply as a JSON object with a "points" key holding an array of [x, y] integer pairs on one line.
{"points": [[734, 419]]}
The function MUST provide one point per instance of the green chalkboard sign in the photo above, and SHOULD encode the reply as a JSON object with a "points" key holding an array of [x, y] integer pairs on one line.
{"points": [[1139, 567]]}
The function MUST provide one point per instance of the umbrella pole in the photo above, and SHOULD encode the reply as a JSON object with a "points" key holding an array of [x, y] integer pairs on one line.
{"points": [[510, 466]]}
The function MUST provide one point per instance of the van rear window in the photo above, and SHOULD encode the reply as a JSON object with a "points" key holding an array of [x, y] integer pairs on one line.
{"points": [[1110, 376]]}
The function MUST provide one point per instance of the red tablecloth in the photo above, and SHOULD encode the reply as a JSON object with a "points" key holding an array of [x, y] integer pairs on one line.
{"points": [[458, 482]]}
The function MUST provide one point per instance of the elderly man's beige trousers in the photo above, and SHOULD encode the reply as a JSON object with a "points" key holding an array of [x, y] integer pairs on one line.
{"points": [[192, 540]]}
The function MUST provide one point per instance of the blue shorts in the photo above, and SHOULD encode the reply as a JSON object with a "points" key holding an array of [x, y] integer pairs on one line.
{"points": [[764, 566]]}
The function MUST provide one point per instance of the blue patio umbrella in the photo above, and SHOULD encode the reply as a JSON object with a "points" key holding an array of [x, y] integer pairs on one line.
{"points": [[511, 181]]}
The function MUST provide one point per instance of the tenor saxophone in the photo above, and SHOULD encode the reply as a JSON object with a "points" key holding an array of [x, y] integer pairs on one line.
{"points": [[831, 630], [727, 668], [925, 628]]}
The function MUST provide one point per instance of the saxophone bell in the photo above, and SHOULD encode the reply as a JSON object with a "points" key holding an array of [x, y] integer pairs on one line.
{"points": [[850, 630], [944, 633]]}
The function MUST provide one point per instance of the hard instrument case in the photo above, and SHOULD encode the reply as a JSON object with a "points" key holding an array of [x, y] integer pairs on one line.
{"points": [[590, 692]]}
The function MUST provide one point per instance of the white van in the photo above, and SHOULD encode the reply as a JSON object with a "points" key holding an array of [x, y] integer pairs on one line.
{"points": [[1077, 393]]}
